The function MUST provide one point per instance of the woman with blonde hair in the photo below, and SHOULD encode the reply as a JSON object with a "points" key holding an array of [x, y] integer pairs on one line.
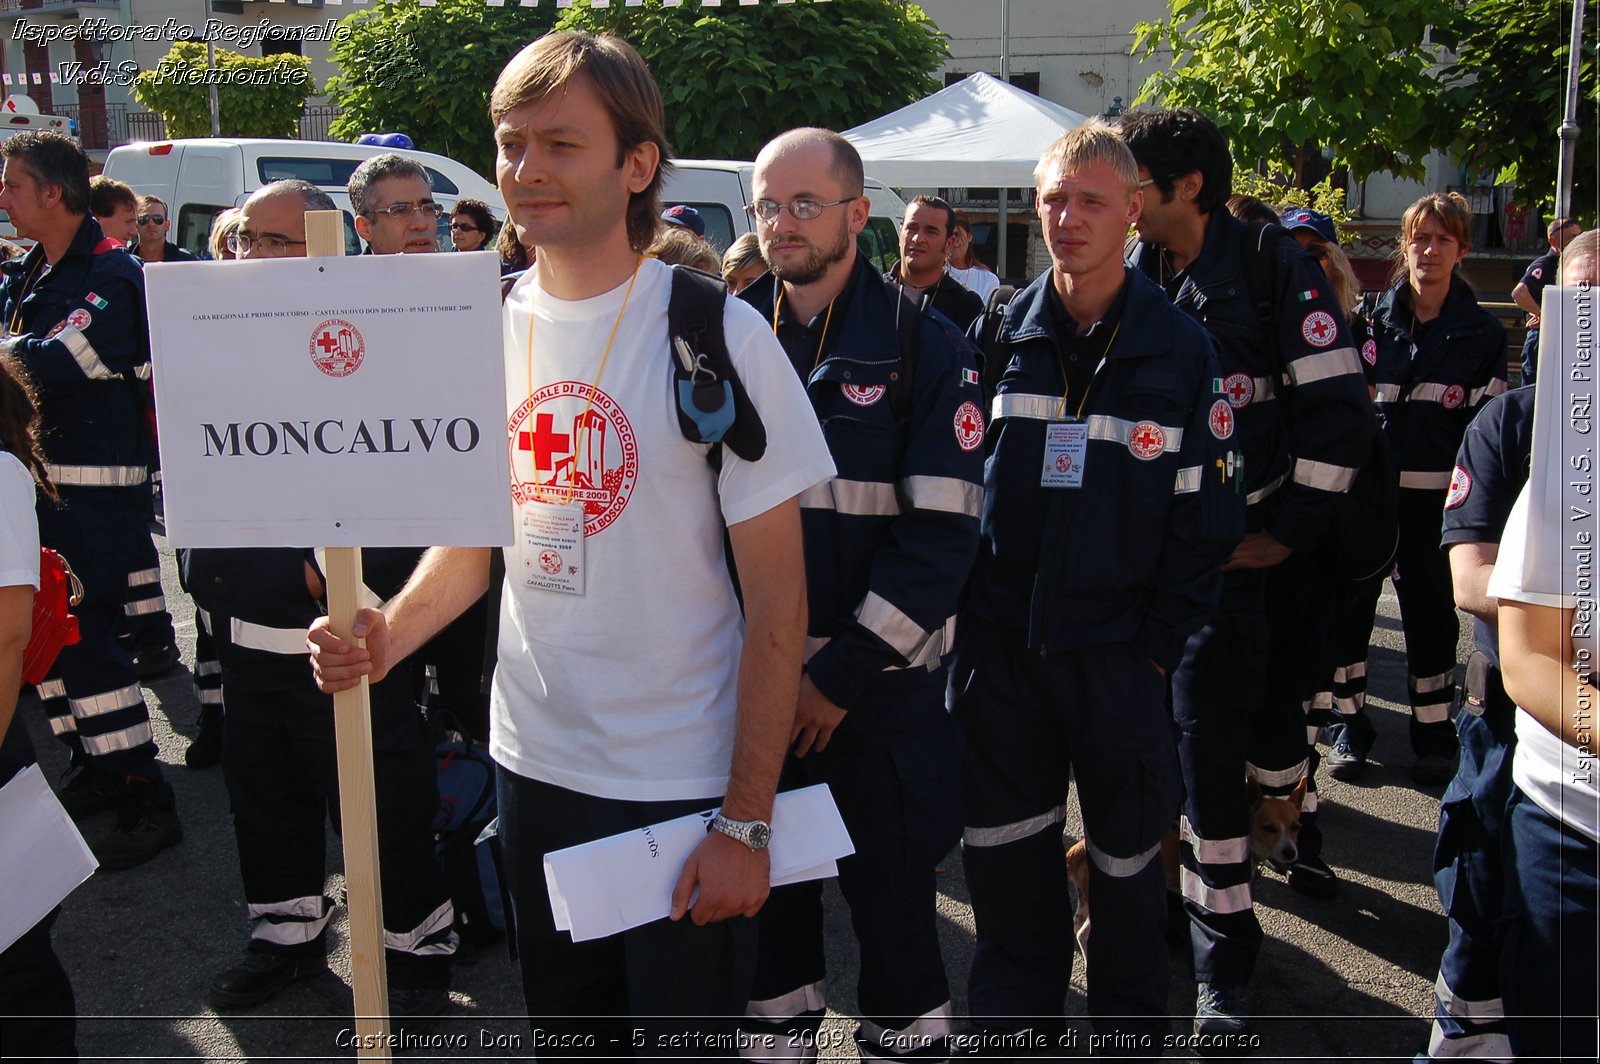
{"points": [[223, 226], [1437, 357], [742, 263]]}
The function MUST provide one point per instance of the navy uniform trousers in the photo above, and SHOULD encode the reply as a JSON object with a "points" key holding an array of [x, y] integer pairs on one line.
{"points": [[1032, 723], [894, 770]]}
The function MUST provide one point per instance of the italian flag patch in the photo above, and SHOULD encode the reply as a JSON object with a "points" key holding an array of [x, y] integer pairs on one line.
{"points": [[1308, 295], [969, 376], [96, 301]]}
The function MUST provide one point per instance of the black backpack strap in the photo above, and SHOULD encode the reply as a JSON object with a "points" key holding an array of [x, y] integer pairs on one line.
{"points": [[1258, 252], [704, 380], [902, 385], [995, 354]]}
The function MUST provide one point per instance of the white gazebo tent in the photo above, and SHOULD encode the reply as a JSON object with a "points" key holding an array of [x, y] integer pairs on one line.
{"points": [[979, 131]]}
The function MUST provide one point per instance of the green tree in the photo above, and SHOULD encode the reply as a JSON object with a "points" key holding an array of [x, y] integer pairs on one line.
{"points": [[426, 71], [1322, 196], [1510, 84], [734, 77], [1284, 78], [255, 97]]}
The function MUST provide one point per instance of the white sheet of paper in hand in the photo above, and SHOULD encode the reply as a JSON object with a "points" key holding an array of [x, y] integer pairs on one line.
{"points": [[45, 857], [600, 888]]}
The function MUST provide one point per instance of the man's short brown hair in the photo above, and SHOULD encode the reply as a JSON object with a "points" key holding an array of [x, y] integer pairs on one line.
{"points": [[146, 202], [107, 195], [626, 89]]}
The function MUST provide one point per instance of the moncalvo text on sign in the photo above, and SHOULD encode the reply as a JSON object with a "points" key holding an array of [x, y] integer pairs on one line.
{"points": [[330, 436]]}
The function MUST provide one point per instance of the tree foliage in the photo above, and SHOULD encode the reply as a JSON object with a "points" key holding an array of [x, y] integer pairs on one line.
{"points": [[1286, 77], [1509, 85], [733, 77], [1322, 196], [256, 97], [426, 71]]}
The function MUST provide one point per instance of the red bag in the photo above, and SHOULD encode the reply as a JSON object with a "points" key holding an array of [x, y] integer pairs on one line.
{"points": [[54, 626]]}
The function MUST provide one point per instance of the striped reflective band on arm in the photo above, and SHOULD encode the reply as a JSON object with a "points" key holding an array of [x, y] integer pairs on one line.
{"points": [[950, 495], [1309, 369], [1266, 489], [1388, 393], [288, 641], [929, 658], [859, 498], [1120, 867], [1322, 475], [84, 354], [1425, 481], [1266, 388], [114, 742], [1213, 851], [1118, 430], [82, 476], [1021, 404], [1188, 481], [1490, 390], [883, 619], [1021, 829]]}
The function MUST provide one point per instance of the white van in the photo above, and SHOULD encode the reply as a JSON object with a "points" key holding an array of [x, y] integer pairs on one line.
{"points": [[719, 189], [200, 178]]}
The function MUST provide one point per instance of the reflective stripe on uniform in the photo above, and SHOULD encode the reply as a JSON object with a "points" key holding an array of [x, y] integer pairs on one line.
{"points": [[84, 354], [1188, 480], [928, 658], [369, 598], [106, 702], [1352, 705], [1221, 900], [1324, 365], [1284, 777], [51, 689], [272, 640], [1388, 393], [436, 926], [1432, 714], [289, 923], [210, 696], [139, 607], [204, 618], [1425, 481], [1323, 476], [1493, 388], [1463, 1009], [861, 498], [813, 997], [62, 724], [1021, 829], [921, 1033], [1213, 851], [1266, 389], [208, 668], [1120, 867], [883, 619], [1428, 684], [1021, 404], [1346, 673], [112, 742], [144, 576], [77, 476], [945, 494], [1266, 489], [1427, 393]]}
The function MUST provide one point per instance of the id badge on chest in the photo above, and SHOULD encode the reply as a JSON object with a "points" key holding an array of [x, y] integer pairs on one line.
{"points": [[550, 547], [1066, 448]]}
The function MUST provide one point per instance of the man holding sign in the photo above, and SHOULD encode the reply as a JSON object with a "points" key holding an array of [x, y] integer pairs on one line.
{"points": [[627, 691]]}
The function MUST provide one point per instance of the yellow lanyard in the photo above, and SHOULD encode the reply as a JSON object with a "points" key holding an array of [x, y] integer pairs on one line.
{"points": [[777, 305], [1066, 384], [577, 450], [14, 329]]}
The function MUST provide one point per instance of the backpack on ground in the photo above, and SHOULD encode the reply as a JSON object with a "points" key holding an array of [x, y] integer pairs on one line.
{"points": [[1363, 533], [466, 841]]}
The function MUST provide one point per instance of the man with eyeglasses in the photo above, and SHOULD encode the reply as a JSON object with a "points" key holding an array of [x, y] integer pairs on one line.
{"points": [[73, 313], [888, 546], [394, 206], [278, 756], [152, 244]]}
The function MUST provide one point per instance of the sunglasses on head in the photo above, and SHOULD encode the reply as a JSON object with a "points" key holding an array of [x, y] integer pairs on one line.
{"points": [[151, 219]]}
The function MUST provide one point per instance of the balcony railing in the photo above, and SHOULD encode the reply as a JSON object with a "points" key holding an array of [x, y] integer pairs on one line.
{"points": [[104, 126]]}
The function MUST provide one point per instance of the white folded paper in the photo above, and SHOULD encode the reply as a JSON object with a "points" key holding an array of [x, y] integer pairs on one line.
{"points": [[600, 888], [45, 857]]}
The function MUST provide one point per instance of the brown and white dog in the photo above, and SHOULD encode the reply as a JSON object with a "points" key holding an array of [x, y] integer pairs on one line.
{"points": [[1274, 836]]}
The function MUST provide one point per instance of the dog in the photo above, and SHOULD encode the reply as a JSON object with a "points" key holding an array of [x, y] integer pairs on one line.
{"points": [[1274, 838]]}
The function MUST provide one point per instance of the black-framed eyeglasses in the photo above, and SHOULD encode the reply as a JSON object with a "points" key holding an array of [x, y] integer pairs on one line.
{"points": [[801, 210], [463, 227], [403, 212], [242, 243], [151, 219]]}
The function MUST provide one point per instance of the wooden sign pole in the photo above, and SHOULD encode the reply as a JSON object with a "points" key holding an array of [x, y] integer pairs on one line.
{"points": [[352, 716]]}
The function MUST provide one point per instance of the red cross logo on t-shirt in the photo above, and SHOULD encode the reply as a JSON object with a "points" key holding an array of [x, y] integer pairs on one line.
{"points": [[545, 442]]}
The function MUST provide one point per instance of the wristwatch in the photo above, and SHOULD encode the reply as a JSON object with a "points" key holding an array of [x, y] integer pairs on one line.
{"points": [[755, 834]]}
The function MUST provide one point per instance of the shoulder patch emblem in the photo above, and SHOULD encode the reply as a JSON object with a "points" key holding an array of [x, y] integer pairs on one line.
{"points": [[1146, 440], [79, 319], [1319, 328], [1460, 488], [863, 396], [1537, 273], [1221, 420], [1453, 397], [1240, 388], [96, 301], [1369, 352], [969, 426]]}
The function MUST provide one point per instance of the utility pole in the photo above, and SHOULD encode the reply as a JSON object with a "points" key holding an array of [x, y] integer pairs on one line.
{"points": [[1568, 131], [1005, 76]]}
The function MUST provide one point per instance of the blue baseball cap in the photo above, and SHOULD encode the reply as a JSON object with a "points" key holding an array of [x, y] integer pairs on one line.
{"points": [[685, 216], [1316, 221]]}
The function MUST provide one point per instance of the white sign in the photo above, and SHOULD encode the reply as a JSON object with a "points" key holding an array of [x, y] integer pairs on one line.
{"points": [[46, 858], [1562, 505], [335, 402]]}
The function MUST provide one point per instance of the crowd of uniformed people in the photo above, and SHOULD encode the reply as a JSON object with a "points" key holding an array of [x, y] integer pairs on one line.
{"points": [[1074, 536]]}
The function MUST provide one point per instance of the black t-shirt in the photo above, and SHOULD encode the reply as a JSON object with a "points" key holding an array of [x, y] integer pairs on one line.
{"points": [[1081, 354], [1540, 272]]}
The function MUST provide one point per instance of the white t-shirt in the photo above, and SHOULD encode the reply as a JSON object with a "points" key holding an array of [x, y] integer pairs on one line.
{"points": [[1559, 777], [628, 690], [19, 529], [978, 280]]}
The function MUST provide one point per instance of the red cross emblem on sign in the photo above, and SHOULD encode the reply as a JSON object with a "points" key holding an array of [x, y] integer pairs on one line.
{"points": [[1147, 440], [545, 442], [337, 347]]}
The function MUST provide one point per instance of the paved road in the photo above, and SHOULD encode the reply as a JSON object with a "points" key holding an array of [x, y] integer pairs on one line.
{"points": [[1342, 979]]}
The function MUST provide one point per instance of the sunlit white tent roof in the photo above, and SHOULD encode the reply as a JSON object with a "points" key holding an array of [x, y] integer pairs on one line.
{"points": [[979, 131]]}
